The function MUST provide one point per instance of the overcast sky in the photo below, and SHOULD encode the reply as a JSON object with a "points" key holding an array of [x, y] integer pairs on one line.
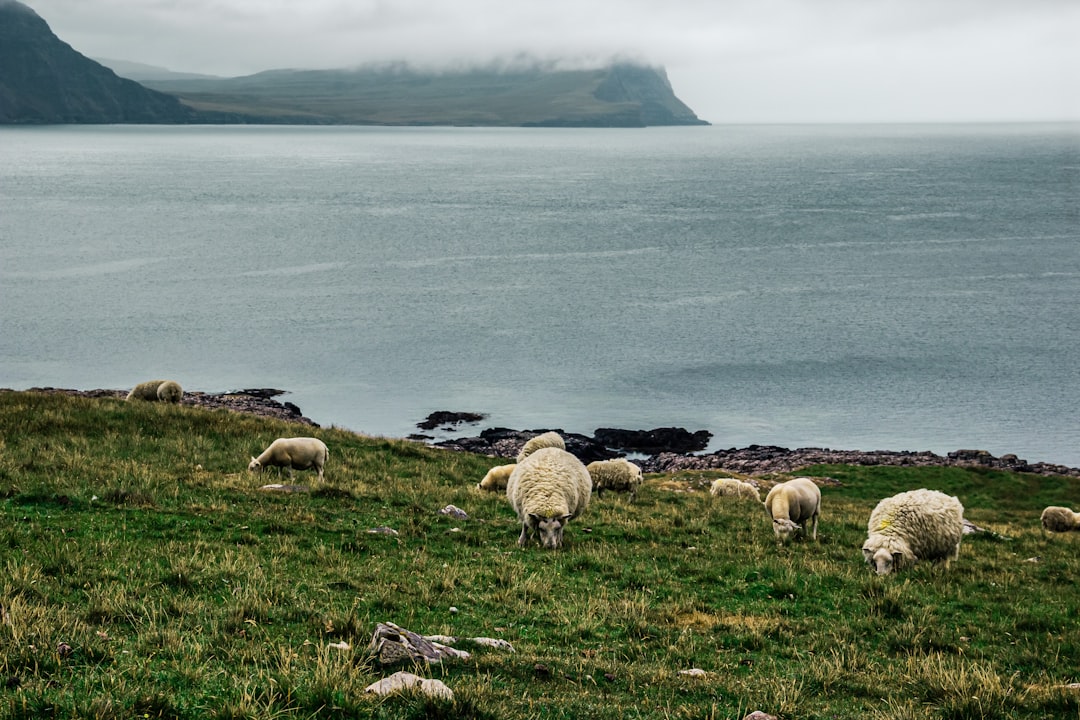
{"points": [[731, 61]]}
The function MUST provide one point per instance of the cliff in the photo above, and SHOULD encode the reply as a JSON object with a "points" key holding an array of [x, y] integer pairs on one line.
{"points": [[44, 80]]}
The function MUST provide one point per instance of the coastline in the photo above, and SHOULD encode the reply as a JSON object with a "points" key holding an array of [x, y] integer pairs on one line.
{"points": [[505, 443]]}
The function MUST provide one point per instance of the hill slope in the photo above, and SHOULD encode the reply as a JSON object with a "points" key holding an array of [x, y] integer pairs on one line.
{"points": [[44, 80], [146, 574], [615, 96]]}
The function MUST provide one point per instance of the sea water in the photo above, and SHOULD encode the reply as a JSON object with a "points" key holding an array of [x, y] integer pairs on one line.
{"points": [[852, 287]]}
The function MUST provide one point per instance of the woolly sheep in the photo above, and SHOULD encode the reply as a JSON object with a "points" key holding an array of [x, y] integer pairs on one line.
{"points": [[548, 439], [791, 503], [496, 478], [733, 487], [912, 526], [548, 489], [1060, 519], [299, 453], [619, 475], [157, 390]]}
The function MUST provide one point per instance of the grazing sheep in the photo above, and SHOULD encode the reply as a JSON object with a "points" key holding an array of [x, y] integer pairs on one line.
{"points": [[733, 487], [791, 503], [619, 475], [548, 439], [299, 453], [1060, 519], [912, 526], [548, 489], [496, 478], [157, 390]]}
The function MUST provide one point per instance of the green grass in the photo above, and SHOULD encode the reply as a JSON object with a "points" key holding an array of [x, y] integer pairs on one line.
{"points": [[133, 534]]}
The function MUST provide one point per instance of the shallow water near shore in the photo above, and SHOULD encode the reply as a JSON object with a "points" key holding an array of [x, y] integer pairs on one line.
{"points": [[854, 287]]}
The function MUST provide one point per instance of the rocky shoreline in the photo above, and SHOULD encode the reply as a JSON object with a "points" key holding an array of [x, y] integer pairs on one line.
{"points": [[664, 450], [256, 401]]}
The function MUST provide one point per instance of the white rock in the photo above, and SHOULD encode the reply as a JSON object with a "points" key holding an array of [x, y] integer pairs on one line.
{"points": [[401, 681]]}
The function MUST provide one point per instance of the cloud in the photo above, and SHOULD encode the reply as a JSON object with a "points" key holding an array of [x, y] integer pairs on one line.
{"points": [[741, 60]]}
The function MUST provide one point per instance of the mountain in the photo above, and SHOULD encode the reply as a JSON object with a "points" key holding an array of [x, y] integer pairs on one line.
{"points": [[622, 95], [141, 72], [44, 80]]}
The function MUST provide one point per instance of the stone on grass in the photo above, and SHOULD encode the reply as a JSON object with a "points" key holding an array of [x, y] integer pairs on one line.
{"points": [[454, 512], [392, 644], [403, 681]]}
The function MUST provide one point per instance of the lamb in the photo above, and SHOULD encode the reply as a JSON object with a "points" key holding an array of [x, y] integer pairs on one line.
{"points": [[496, 478], [619, 475], [791, 503], [157, 390], [299, 453], [912, 526], [547, 489], [1060, 519], [733, 487], [548, 439]]}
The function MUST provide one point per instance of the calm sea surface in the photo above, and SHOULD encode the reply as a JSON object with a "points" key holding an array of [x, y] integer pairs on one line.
{"points": [[853, 287]]}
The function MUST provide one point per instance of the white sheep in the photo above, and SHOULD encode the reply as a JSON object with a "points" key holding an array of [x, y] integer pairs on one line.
{"points": [[618, 475], [548, 439], [157, 390], [1060, 519], [791, 505], [912, 526], [299, 453], [548, 489], [496, 478], [734, 487]]}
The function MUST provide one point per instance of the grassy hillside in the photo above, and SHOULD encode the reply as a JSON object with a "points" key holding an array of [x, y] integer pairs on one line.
{"points": [[146, 575]]}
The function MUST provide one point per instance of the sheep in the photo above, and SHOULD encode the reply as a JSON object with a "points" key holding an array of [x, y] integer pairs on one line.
{"points": [[733, 487], [157, 390], [496, 478], [1060, 519], [300, 453], [548, 489], [791, 503], [548, 439], [619, 475], [912, 526]]}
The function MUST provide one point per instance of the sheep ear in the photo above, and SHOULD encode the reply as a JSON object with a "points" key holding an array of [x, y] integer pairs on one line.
{"points": [[534, 518], [564, 518]]}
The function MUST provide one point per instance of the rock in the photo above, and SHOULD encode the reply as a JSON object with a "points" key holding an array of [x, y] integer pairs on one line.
{"points": [[454, 512], [655, 441], [506, 443], [278, 487], [391, 644], [403, 681], [492, 643], [383, 530], [694, 672], [445, 417], [758, 715]]}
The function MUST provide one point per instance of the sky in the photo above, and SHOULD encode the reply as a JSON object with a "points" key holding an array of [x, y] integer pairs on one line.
{"points": [[731, 61]]}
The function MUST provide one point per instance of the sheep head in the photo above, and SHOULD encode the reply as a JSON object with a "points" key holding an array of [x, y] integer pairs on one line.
{"points": [[785, 529], [550, 529], [885, 555], [254, 466]]}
